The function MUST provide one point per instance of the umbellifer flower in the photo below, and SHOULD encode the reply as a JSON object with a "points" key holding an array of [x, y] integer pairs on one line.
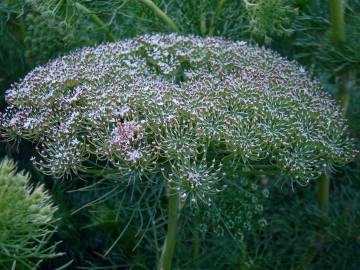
{"points": [[166, 95]]}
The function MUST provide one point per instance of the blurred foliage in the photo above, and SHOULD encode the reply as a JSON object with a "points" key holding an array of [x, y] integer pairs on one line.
{"points": [[297, 236], [26, 221]]}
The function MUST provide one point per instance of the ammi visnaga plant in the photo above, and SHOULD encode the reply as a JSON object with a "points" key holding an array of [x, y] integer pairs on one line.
{"points": [[197, 113]]}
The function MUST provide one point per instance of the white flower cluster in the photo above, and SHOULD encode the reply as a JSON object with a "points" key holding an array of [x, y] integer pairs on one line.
{"points": [[196, 180], [160, 98]]}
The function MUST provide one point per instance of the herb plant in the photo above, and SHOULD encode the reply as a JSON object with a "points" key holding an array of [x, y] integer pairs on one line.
{"points": [[193, 113]]}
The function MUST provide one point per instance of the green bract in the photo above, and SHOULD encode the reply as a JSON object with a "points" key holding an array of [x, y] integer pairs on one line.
{"points": [[141, 104], [26, 221]]}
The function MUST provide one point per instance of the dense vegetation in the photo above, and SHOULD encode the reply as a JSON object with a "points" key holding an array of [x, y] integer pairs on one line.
{"points": [[263, 221]]}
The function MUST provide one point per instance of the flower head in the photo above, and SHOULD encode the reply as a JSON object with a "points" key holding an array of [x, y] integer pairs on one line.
{"points": [[159, 98]]}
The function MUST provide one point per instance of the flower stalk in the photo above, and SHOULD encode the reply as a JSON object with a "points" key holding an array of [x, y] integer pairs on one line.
{"points": [[158, 12], [337, 21], [170, 240], [338, 35], [323, 193], [96, 19], [243, 256], [338, 38]]}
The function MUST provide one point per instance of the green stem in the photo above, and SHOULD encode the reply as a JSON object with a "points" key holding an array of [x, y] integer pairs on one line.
{"points": [[170, 240], [323, 193], [337, 11], [338, 38], [96, 19], [214, 18], [243, 256], [158, 12], [338, 35]]}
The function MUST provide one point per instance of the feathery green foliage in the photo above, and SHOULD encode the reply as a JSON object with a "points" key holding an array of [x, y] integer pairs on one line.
{"points": [[269, 18], [26, 221]]}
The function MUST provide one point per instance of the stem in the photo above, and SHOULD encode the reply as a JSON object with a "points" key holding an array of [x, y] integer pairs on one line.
{"points": [[96, 19], [338, 37], [214, 18], [158, 12], [170, 240], [323, 193], [243, 256], [337, 21]]}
